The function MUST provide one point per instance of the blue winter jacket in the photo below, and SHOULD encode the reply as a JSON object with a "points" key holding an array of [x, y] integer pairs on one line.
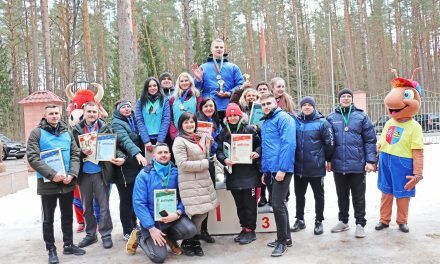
{"points": [[278, 136], [147, 181], [355, 147], [230, 73], [164, 125], [315, 143]]}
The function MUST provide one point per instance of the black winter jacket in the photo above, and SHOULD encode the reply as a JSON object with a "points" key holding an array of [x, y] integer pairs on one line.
{"points": [[315, 144], [244, 176], [355, 147]]}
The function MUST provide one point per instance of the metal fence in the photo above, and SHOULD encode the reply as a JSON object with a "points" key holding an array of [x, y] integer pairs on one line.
{"points": [[428, 116]]}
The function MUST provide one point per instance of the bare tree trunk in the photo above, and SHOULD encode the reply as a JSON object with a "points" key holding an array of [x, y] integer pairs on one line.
{"points": [[126, 51], [250, 39], [135, 33], [268, 30], [35, 50], [285, 52], [87, 42], [226, 15], [399, 65], [435, 40], [100, 71], [46, 38], [350, 51], [189, 56], [28, 49], [363, 41]]}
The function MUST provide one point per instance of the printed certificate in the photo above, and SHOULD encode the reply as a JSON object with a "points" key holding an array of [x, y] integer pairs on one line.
{"points": [[54, 159], [164, 200], [256, 114], [88, 142], [241, 148], [227, 152], [106, 147], [204, 128]]}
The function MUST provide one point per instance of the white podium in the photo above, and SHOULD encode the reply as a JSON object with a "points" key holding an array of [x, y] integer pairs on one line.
{"points": [[224, 220]]}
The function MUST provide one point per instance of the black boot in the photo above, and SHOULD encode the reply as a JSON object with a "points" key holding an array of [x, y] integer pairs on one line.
{"points": [[197, 247], [204, 235], [187, 247], [263, 201], [53, 258]]}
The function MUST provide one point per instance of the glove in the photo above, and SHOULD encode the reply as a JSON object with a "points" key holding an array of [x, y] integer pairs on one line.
{"points": [[417, 170]]}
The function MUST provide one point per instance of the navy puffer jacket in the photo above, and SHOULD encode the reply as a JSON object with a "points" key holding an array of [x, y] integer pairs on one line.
{"points": [[355, 147], [315, 144]]}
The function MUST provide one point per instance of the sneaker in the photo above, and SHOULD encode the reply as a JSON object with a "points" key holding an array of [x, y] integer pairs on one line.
{"points": [[340, 227], [381, 226], [279, 250], [248, 237], [360, 232], [404, 228], [262, 202], [298, 226], [73, 250], [80, 228], [319, 229], [274, 243], [126, 237], [53, 257], [132, 243], [237, 238], [205, 236], [107, 242], [174, 247], [87, 241]]}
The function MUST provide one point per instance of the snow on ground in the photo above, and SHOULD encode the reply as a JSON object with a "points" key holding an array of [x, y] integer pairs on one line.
{"points": [[21, 232]]}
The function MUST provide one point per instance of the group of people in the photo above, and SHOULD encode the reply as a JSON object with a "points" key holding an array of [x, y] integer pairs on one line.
{"points": [[164, 122]]}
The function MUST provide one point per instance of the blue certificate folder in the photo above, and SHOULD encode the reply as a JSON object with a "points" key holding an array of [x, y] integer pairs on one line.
{"points": [[54, 159], [256, 114], [106, 147]]}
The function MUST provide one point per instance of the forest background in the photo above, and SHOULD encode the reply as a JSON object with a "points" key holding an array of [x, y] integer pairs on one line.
{"points": [[317, 46]]}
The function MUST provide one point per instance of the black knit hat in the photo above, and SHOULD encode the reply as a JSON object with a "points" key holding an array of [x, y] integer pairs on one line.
{"points": [[308, 99], [345, 91], [165, 74]]}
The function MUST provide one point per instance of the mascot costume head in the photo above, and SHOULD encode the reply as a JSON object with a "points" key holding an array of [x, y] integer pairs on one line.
{"points": [[80, 98], [400, 151]]}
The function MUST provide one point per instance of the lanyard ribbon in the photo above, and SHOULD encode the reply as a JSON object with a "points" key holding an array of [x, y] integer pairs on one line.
{"points": [[346, 119], [197, 142], [229, 129], [185, 94], [217, 68]]}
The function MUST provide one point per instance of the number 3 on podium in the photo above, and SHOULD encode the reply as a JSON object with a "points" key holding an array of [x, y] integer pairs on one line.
{"points": [[266, 223]]}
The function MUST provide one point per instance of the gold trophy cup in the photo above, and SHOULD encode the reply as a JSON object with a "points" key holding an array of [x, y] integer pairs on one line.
{"points": [[221, 83]]}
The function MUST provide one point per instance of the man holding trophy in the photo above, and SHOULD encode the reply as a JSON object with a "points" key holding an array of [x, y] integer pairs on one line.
{"points": [[218, 78]]}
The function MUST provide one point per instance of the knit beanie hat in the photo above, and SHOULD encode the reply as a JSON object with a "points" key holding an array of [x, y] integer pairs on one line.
{"points": [[344, 91], [308, 99], [122, 103], [163, 75], [233, 108]]}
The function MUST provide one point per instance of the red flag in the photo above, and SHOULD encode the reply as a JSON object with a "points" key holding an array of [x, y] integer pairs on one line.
{"points": [[263, 47]]}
